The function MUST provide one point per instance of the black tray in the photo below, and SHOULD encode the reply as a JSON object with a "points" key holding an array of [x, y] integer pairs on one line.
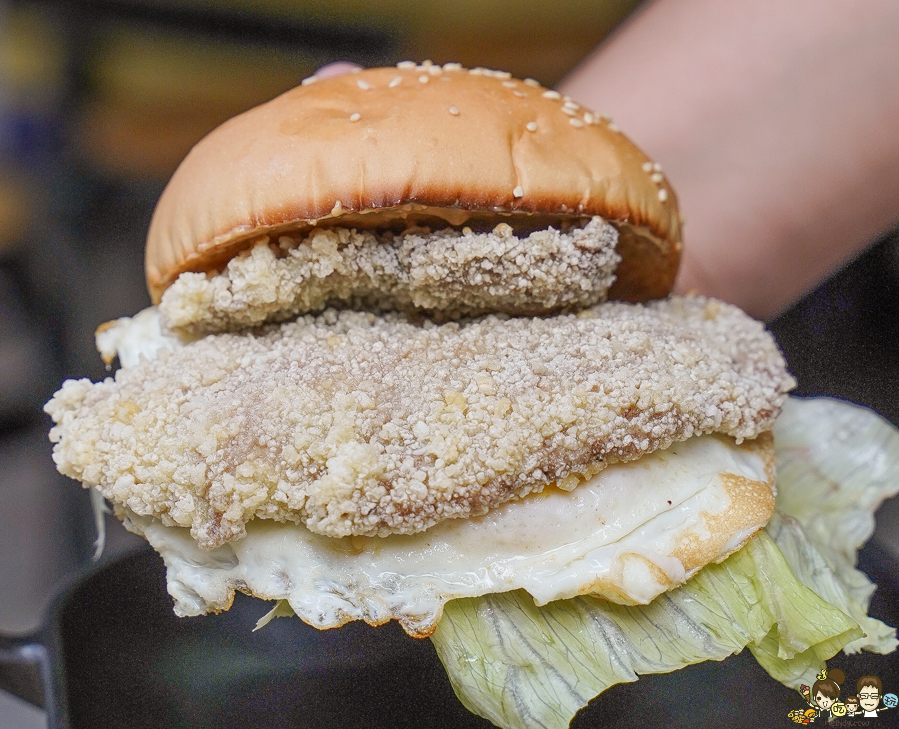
{"points": [[112, 653]]}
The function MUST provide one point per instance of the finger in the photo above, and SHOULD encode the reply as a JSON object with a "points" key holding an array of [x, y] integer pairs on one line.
{"points": [[338, 68]]}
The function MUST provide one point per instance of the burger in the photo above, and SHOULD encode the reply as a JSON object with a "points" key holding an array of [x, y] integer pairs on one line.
{"points": [[413, 356]]}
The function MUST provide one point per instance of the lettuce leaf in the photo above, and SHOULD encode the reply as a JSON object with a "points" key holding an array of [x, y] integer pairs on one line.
{"points": [[792, 594], [522, 666], [282, 609], [836, 463]]}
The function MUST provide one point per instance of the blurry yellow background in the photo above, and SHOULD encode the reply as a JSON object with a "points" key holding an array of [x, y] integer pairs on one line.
{"points": [[151, 78]]}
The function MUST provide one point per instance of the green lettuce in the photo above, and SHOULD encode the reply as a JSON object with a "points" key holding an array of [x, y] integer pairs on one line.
{"points": [[792, 594], [836, 463]]}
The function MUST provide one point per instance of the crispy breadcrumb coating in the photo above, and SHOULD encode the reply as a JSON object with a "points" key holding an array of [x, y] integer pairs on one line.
{"points": [[352, 423], [449, 273]]}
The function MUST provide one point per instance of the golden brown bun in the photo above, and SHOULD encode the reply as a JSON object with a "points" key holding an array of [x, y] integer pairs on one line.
{"points": [[431, 141]]}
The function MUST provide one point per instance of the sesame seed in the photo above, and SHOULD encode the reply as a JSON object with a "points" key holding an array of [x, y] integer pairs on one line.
{"points": [[395, 82], [589, 118], [576, 122], [657, 177], [476, 71], [647, 166], [502, 74], [423, 79], [657, 167], [435, 70], [614, 127], [406, 64], [427, 62], [569, 104], [452, 66], [338, 207], [509, 84], [531, 82], [362, 84], [552, 94], [520, 94], [518, 191], [454, 110], [568, 110], [355, 70], [309, 80], [663, 194], [531, 126], [356, 116]]}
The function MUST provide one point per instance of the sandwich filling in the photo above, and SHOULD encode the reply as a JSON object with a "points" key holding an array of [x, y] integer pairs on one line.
{"points": [[627, 534], [445, 274]]}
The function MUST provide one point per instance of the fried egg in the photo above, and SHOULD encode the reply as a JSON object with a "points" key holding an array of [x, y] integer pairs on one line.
{"points": [[628, 534]]}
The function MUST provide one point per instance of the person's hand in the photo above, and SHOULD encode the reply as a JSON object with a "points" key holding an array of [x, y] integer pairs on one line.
{"points": [[776, 123]]}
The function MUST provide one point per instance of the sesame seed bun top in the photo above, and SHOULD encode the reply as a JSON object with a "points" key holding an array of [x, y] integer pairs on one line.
{"points": [[426, 142]]}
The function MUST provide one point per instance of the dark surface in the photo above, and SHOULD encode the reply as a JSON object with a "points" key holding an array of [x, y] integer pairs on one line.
{"points": [[843, 339], [336, 41], [129, 662]]}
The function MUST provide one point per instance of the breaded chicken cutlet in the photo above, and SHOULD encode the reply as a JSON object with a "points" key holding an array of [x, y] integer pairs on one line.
{"points": [[354, 424]]}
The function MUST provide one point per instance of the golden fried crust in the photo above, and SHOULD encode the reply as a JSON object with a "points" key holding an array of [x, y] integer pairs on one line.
{"points": [[438, 142], [356, 424], [751, 505]]}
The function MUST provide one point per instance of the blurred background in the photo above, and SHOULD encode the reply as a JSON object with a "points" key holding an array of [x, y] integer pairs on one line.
{"points": [[100, 100]]}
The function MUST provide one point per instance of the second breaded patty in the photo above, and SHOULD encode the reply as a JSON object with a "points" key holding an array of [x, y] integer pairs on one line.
{"points": [[446, 274]]}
